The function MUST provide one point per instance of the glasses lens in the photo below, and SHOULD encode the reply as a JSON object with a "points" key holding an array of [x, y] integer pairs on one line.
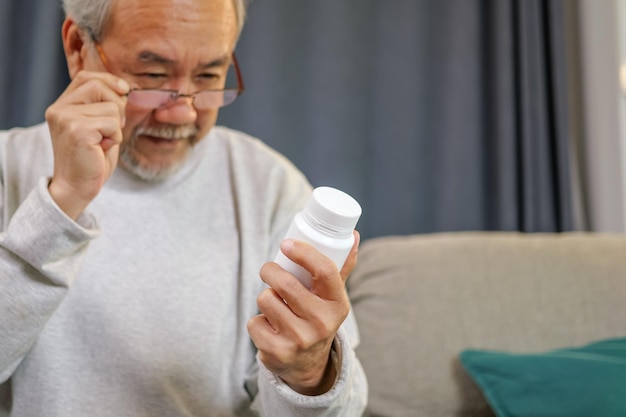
{"points": [[149, 99], [208, 99], [230, 96]]}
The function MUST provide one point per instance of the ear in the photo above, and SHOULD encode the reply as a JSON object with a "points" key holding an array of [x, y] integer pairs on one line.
{"points": [[74, 46]]}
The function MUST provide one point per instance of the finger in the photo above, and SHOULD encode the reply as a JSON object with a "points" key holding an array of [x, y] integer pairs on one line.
{"points": [[299, 333], [259, 325], [267, 339], [279, 344], [89, 124], [326, 281], [298, 298], [264, 336], [275, 310], [350, 263], [66, 119], [94, 87], [313, 318], [277, 331], [116, 84], [94, 91], [98, 91], [91, 110], [274, 350], [108, 143]]}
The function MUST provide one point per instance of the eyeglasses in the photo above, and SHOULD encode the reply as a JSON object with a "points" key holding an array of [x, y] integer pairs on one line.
{"points": [[155, 98]]}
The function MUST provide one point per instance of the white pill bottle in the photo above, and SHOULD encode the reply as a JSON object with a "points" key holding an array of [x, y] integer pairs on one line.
{"points": [[327, 222]]}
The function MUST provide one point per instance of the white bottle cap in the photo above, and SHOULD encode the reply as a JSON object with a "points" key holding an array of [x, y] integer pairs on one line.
{"points": [[333, 211]]}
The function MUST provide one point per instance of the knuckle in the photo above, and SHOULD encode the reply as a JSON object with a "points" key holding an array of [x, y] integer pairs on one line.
{"points": [[80, 77], [110, 108], [265, 272], [278, 359], [326, 324], [342, 314], [299, 342], [324, 328], [51, 115], [74, 127], [253, 325], [54, 113], [342, 307], [326, 268], [265, 299], [305, 340], [289, 285], [95, 88], [88, 77], [285, 353], [92, 87]]}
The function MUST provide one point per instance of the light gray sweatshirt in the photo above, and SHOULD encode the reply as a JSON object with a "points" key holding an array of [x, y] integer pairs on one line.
{"points": [[140, 307]]}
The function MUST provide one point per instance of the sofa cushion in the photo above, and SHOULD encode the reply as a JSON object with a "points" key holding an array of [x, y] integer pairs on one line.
{"points": [[420, 300], [572, 382]]}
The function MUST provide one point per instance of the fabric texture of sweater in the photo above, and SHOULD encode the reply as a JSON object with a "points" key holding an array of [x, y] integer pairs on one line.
{"points": [[139, 308]]}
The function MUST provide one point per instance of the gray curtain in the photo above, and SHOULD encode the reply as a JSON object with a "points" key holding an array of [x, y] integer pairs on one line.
{"points": [[32, 67], [437, 115]]}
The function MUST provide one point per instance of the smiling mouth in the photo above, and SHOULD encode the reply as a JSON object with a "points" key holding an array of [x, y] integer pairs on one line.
{"points": [[167, 135], [158, 139]]}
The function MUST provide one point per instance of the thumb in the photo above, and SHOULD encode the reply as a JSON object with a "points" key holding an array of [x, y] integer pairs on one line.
{"points": [[350, 263]]}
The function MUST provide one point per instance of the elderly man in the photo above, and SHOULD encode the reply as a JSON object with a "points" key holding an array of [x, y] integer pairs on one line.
{"points": [[134, 230]]}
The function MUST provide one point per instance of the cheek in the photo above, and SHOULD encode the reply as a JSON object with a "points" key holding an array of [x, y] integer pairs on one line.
{"points": [[205, 122], [134, 118]]}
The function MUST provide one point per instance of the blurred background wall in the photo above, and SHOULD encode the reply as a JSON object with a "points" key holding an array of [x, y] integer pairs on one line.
{"points": [[437, 115]]}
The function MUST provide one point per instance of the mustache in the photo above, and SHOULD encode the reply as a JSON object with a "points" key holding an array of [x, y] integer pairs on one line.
{"points": [[168, 131]]}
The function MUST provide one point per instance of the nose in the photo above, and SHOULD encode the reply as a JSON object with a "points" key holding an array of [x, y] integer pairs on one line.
{"points": [[179, 112]]}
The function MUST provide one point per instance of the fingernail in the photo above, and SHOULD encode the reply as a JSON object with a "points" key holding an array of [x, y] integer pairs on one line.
{"points": [[123, 85], [286, 245]]}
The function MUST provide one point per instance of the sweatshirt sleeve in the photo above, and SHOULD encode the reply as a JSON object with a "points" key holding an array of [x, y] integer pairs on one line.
{"points": [[347, 397], [40, 254]]}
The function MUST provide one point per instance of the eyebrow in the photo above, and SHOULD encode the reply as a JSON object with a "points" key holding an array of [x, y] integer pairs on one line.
{"points": [[153, 57]]}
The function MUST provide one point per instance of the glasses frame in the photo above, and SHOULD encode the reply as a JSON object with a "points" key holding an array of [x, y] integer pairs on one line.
{"points": [[175, 94]]}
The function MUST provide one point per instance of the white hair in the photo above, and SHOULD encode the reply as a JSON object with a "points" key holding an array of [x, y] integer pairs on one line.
{"points": [[93, 14]]}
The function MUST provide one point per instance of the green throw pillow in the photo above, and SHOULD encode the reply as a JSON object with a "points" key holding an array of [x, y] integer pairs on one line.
{"points": [[588, 381]]}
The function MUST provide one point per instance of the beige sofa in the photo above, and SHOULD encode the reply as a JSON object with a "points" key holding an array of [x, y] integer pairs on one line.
{"points": [[420, 300]]}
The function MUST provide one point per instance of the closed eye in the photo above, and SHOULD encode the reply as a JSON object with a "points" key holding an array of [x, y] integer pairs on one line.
{"points": [[153, 75], [208, 76], [209, 81]]}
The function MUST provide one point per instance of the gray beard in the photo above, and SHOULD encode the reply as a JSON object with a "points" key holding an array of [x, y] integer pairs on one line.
{"points": [[152, 173]]}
